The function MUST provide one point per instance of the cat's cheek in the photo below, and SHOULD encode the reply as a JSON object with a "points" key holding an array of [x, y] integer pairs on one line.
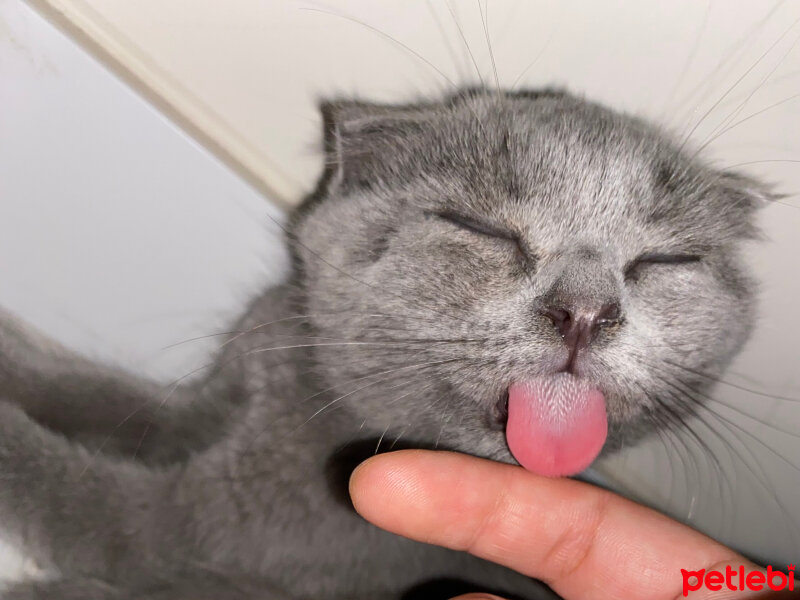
{"points": [[684, 314]]}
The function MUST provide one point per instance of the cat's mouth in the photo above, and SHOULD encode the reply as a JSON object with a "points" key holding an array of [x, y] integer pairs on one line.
{"points": [[499, 412], [555, 425]]}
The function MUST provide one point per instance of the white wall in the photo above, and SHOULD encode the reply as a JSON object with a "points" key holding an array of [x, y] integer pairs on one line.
{"points": [[120, 236]]}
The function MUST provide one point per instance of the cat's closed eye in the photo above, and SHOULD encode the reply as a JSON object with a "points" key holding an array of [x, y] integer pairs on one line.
{"points": [[489, 230], [636, 267]]}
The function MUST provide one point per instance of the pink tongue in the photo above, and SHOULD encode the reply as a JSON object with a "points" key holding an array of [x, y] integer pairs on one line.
{"points": [[556, 425]]}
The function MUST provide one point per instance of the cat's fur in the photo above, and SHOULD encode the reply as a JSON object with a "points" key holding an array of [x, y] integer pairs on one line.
{"points": [[397, 327]]}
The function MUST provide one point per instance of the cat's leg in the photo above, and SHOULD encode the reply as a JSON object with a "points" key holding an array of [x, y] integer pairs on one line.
{"points": [[105, 407], [78, 511], [101, 518]]}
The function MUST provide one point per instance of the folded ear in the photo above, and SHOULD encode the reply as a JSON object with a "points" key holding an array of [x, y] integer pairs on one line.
{"points": [[365, 142], [746, 191], [744, 195]]}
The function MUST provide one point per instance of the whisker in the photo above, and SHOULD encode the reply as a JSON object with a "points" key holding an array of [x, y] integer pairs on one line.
{"points": [[443, 34], [757, 162], [687, 392], [744, 120], [727, 424], [737, 82], [538, 56], [326, 406], [710, 398], [249, 448], [731, 384], [729, 54], [735, 112], [464, 39], [485, 22], [380, 439], [388, 37], [690, 56], [685, 427]]}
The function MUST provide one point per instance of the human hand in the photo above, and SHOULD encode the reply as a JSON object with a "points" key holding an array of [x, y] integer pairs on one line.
{"points": [[584, 542]]}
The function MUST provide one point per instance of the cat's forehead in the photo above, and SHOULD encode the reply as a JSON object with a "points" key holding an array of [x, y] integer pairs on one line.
{"points": [[552, 164], [484, 149], [569, 151], [545, 160]]}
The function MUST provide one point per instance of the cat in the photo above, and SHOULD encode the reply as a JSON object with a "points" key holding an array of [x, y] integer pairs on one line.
{"points": [[500, 273]]}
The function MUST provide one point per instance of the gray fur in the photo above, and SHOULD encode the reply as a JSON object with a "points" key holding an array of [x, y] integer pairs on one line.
{"points": [[397, 327]]}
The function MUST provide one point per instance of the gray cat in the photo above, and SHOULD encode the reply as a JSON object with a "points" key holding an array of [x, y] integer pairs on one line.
{"points": [[516, 275]]}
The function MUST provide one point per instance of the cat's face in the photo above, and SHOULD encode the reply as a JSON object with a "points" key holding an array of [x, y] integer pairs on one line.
{"points": [[462, 249]]}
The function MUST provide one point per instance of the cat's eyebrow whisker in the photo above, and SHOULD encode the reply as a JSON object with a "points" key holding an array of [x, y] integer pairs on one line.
{"points": [[485, 23], [536, 58], [758, 162], [736, 98], [385, 35], [713, 138], [736, 83], [464, 40], [446, 39], [689, 57], [735, 112], [728, 56]]}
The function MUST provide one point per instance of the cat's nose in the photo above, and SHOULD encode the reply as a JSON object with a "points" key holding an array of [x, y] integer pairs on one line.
{"points": [[579, 325]]}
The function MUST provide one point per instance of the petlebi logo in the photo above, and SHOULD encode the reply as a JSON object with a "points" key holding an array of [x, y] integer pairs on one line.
{"points": [[738, 579]]}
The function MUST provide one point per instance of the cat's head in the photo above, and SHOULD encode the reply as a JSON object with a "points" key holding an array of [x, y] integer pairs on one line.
{"points": [[529, 246]]}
